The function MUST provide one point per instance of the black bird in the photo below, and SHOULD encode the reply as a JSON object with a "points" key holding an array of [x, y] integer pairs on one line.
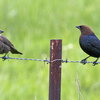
{"points": [[89, 42], [6, 46]]}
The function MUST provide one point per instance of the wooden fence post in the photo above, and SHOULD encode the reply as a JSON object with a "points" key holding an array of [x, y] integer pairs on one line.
{"points": [[55, 70]]}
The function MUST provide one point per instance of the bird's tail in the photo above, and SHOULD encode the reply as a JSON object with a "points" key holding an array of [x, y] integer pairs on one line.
{"points": [[14, 51]]}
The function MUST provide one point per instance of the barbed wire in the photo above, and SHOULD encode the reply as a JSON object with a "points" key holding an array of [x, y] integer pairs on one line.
{"points": [[6, 57], [48, 61]]}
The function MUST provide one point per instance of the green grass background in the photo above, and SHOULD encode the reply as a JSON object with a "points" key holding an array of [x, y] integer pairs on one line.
{"points": [[30, 24]]}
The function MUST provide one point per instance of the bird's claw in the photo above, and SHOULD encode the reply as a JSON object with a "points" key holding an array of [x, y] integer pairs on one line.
{"points": [[4, 58], [83, 61], [95, 63]]}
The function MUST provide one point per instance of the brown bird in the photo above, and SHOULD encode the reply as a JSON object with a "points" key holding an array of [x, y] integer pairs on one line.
{"points": [[6, 46], [89, 43]]}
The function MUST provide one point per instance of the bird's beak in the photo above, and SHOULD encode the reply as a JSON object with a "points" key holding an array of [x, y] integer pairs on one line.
{"points": [[1, 31], [78, 27]]}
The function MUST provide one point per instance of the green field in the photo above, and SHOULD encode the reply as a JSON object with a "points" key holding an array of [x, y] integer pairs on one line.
{"points": [[30, 25]]}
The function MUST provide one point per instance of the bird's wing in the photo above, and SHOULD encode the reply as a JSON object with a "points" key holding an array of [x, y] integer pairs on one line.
{"points": [[6, 41], [94, 41]]}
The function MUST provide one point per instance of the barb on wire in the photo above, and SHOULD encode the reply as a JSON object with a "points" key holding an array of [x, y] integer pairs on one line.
{"points": [[46, 60]]}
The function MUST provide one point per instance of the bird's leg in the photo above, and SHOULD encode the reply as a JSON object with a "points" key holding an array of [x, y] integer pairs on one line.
{"points": [[95, 62], [84, 60]]}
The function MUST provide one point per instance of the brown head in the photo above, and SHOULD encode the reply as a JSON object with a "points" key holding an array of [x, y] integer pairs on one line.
{"points": [[85, 30]]}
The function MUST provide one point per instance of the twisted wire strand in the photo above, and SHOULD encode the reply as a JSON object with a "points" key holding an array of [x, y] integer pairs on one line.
{"points": [[5, 57]]}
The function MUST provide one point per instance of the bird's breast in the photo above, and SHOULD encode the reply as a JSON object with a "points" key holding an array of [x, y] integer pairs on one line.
{"points": [[88, 44], [84, 42]]}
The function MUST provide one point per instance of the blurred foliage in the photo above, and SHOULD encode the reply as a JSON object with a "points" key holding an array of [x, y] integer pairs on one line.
{"points": [[30, 24]]}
